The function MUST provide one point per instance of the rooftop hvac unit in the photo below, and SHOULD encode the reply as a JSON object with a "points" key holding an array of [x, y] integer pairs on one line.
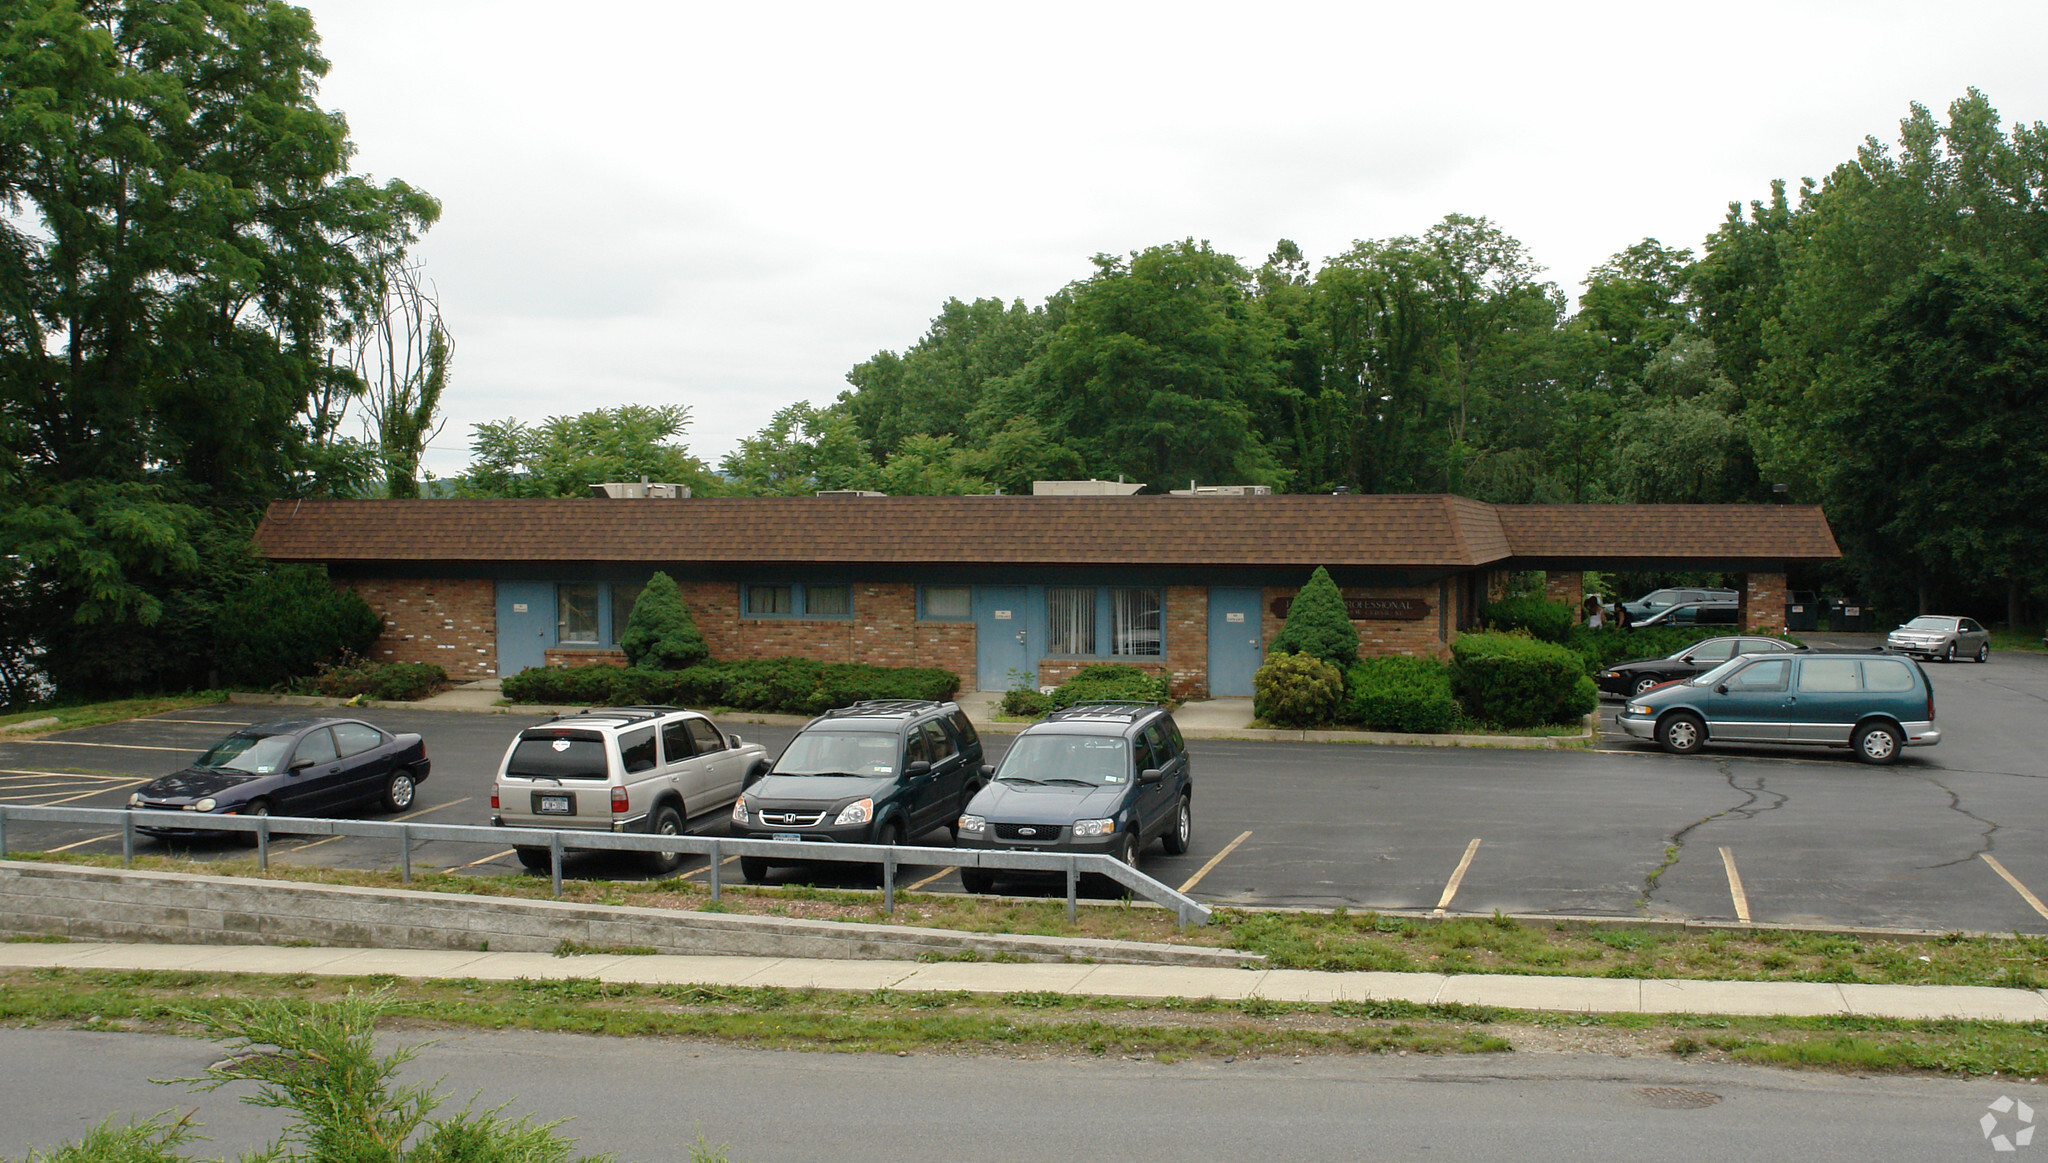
{"points": [[1088, 488], [629, 490], [1195, 490]]}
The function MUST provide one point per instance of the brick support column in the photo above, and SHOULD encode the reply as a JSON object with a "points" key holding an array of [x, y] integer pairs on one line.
{"points": [[1569, 588], [1762, 603]]}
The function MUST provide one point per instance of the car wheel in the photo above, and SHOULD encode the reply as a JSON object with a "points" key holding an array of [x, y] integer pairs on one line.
{"points": [[755, 869], [1643, 686], [1682, 733], [974, 880], [667, 822], [1984, 652], [398, 791], [256, 807], [1182, 833], [534, 859], [1949, 655], [1131, 848], [891, 836], [1876, 743]]}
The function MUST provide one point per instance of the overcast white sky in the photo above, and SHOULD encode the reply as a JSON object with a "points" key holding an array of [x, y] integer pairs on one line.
{"points": [[729, 205]]}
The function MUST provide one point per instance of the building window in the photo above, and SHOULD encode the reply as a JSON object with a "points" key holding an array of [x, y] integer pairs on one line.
{"points": [[1070, 619], [623, 599], [1134, 620], [578, 606], [799, 601], [946, 604]]}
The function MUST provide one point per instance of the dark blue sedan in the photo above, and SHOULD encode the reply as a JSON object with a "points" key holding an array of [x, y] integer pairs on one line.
{"points": [[292, 767]]}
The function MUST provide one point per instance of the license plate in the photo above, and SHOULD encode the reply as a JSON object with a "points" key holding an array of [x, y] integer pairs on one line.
{"points": [[786, 836], [554, 805]]}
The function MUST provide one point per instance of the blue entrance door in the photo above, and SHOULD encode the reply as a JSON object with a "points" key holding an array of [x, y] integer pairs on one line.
{"points": [[1236, 642], [526, 625], [1002, 638]]}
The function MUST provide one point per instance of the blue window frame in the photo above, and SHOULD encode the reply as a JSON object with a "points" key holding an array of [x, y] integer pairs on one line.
{"points": [[796, 600], [1105, 621]]}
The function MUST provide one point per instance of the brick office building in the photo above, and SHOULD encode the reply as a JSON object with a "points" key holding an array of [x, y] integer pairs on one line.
{"points": [[996, 589]]}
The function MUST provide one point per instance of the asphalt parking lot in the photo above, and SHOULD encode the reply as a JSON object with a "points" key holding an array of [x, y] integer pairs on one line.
{"points": [[1954, 837]]}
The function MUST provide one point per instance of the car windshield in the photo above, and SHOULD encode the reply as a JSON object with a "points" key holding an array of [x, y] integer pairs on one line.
{"points": [[1709, 678], [261, 754], [1925, 622], [830, 752], [1094, 760]]}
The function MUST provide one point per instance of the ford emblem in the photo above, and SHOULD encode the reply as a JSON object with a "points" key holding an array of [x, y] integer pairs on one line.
{"points": [[1027, 831]]}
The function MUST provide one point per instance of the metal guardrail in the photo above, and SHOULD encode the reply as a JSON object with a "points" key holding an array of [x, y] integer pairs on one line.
{"points": [[560, 842]]}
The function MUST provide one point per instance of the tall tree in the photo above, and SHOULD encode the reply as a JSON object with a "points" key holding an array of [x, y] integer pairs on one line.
{"points": [[399, 349], [564, 455]]}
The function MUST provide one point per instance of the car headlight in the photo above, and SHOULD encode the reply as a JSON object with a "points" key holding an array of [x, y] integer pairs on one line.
{"points": [[1094, 827], [205, 805], [857, 812], [739, 810], [1639, 708], [975, 824], [135, 799]]}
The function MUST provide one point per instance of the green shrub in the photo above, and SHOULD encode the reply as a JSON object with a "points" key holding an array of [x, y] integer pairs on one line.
{"points": [[1317, 624], [1400, 694], [799, 686], [1296, 690], [1104, 682], [1515, 681], [394, 682], [661, 635], [585, 685], [1549, 621], [287, 624], [1026, 704]]}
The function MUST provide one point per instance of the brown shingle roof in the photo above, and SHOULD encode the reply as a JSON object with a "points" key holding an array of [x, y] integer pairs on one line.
{"points": [[1370, 531]]}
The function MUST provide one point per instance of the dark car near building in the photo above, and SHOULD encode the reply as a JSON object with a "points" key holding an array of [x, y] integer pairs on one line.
{"points": [[292, 767], [1096, 777], [879, 772], [1714, 613], [1874, 703], [1639, 675]]}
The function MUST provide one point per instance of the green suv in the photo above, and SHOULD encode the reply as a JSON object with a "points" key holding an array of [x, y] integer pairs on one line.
{"points": [[1874, 703]]}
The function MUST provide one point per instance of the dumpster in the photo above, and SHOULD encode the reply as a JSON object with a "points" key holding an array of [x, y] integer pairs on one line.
{"points": [[1852, 617], [1802, 610]]}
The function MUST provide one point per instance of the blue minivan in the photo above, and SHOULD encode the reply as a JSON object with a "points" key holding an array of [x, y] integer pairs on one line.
{"points": [[1873, 703]]}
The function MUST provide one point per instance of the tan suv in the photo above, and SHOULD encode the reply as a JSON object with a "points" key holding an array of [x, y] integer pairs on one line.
{"points": [[620, 769]]}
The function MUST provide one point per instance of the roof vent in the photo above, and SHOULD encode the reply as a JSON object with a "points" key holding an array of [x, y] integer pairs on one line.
{"points": [[628, 490], [1087, 488]]}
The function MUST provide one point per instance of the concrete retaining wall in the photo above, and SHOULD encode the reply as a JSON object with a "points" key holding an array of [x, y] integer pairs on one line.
{"points": [[181, 908]]}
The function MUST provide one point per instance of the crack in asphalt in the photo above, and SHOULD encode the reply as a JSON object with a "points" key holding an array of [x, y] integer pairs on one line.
{"points": [[1955, 804], [1750, 808]]}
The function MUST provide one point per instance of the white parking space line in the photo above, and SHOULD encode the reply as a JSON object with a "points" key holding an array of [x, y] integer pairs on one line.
{"points": [[1740, 897], [2014, 881], [79, 743], [940, 875], [485, 860], [104, 776], [83, 843], [196, 722], [1457, 878], [394, 819], [1215, 860], [61, 800]]}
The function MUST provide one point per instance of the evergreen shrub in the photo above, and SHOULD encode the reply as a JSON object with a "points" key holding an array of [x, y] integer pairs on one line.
{"points": [[1513, 680], [1024, 703], [1296, 690], [1549, 621], [800, 686], [660, 634], [1411, 695], [288, 624], [1110, 682], [1317, 624], [393, 682]]}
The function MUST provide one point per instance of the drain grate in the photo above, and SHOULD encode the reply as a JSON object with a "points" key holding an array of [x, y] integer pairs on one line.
{"points": [[1675, 1098]]}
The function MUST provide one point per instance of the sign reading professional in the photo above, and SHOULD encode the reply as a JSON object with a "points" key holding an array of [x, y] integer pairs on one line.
{"points": [[1371, 609]]}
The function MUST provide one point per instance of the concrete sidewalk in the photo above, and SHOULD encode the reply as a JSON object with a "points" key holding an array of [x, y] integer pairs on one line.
{"points": [[1564, 994]]}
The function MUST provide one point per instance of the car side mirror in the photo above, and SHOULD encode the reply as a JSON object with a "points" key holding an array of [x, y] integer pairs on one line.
{"points": [[1151, 775], [988, 771], [917, 767], [734, 741], [1722, 689], [299, 766]]}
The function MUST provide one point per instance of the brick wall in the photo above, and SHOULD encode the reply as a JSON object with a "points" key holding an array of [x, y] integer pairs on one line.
{"points": [[1375, 638], [450, 623], [1569, 588], [884, 630], [1761, 598]]}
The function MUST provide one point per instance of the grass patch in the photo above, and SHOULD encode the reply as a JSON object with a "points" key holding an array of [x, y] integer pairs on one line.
{"points": [[73, 715], [1333, 940], [1030, 1024]]}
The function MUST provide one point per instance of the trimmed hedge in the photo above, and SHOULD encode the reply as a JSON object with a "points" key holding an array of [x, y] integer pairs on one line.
{"points": [[1296, 690], [1026, 704], [1516, 681], [1412, 695], [1110, 682], [799, 686], [391, 682], [1549, 621], [1318, 624]]}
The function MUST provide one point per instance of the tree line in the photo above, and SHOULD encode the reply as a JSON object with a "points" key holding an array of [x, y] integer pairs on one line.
{"points": [[201, 304]]}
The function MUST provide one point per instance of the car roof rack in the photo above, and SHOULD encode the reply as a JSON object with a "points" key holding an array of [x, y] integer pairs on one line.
{"points": [[1124, 710], [882, 708]]}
